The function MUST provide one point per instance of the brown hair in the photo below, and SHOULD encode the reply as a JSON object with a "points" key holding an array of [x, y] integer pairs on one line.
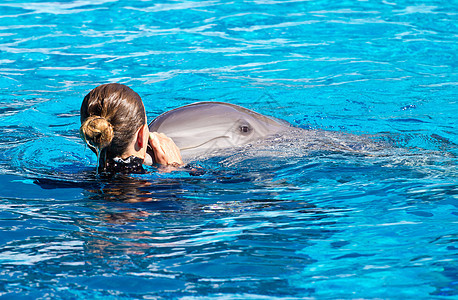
{"points": [[111, 114]]}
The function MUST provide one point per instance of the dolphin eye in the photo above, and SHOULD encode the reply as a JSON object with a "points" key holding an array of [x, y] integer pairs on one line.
{"points": [[245, 129]]}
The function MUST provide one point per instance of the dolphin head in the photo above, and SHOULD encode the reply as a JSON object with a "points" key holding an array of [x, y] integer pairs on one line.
{"points": [[206, 126]]}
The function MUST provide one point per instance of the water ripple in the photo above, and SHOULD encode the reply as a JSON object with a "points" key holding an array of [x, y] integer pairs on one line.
{"points": [[57, 8], [375, 82]]}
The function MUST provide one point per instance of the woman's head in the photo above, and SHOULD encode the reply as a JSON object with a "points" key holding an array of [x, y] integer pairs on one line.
{"points": [[111, 115]]}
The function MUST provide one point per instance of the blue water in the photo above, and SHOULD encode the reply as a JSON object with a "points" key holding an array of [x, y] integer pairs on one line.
{"points": [[321, 225]]}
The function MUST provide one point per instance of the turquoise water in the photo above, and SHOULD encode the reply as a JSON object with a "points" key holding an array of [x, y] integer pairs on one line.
{"points": [[321, 225]]}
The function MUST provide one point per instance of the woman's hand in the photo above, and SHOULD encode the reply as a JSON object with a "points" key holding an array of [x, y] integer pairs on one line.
{"points": [[165, 150]]}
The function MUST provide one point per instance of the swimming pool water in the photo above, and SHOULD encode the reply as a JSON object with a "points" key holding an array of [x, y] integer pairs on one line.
{"points": [[321, 225]]}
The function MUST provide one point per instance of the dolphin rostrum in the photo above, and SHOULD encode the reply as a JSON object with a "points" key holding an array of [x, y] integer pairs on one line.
{"points": [[206, 126]]}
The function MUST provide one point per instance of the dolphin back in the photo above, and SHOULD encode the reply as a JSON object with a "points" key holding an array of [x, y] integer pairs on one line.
{"points": [[207, 126]]}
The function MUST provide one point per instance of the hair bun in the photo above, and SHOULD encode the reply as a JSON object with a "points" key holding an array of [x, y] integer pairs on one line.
{"points": [[97, 132]]}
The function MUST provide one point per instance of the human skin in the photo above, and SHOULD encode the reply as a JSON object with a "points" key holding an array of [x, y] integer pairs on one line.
{"points": [[164, 149]]}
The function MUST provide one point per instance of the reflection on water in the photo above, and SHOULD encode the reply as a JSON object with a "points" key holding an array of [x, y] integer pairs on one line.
{"points": [[234, 228], [187, 230]]}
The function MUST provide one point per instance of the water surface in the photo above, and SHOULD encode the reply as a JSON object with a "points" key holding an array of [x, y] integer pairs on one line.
{"points": [[284, 222]]}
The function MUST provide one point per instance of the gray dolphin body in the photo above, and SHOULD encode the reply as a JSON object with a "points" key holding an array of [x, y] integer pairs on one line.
{"points": [[203, 127]]}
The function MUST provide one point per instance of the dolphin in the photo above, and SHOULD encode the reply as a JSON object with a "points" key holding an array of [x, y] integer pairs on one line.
{"points": [[204, 127]]}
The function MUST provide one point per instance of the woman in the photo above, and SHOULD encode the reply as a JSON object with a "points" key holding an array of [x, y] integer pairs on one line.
{"points": [[113, 124]]}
